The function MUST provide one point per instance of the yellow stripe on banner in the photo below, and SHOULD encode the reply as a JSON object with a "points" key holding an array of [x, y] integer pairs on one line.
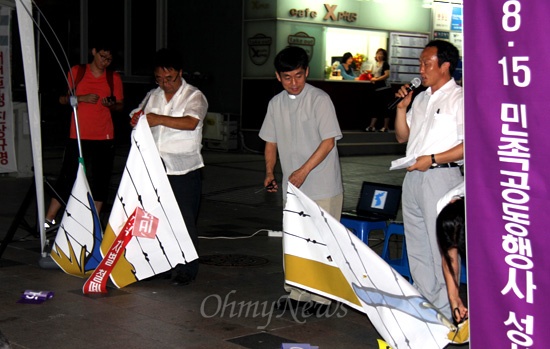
{"points": [[123, 271], [71, 264], [319, 276]]}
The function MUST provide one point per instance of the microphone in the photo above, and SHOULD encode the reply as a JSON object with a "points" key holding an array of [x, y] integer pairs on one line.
{"points": [[414, 84]]}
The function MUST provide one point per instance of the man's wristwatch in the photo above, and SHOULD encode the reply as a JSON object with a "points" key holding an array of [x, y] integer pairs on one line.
{"points": [[433, 160]]}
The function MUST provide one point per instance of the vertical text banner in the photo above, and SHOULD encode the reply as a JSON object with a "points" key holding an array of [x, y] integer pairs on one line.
{"points": [[506, 66], [7, 130]]}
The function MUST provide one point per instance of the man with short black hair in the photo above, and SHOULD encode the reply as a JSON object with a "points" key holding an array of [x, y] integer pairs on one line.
{"points": [[301, 125], [434, 130], [175, 112]]}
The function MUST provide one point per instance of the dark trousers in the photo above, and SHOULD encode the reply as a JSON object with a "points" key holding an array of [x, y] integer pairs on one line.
{"points": [[187, 189], [98, 160]]}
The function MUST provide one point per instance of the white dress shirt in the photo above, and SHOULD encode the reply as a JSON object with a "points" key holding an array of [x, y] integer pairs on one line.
{"points": [[436, 120]]}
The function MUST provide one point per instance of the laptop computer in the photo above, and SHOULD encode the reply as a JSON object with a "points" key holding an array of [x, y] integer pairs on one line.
{"points": [[377, 202]]}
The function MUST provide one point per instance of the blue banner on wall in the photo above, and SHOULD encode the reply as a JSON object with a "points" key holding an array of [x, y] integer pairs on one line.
{"points": [[456, 19]]}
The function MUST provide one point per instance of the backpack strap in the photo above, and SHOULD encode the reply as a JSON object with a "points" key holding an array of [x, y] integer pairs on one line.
{"points": [[79, 75], [81, 70]]}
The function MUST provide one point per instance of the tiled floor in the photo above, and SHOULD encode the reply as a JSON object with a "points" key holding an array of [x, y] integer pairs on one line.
{"points": [[228, 306]]}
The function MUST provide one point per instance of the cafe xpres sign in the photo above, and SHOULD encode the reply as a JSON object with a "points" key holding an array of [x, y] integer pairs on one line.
{"points": [[259, 47], [331, 14]]}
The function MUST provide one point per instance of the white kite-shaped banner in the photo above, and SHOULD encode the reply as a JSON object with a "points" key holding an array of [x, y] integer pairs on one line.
{"points": [[322, 256], [78, 239], [145, 185]]}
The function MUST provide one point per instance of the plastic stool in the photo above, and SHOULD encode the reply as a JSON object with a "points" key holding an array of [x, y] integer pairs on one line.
{"points": [[401, 264], [362, 228]]}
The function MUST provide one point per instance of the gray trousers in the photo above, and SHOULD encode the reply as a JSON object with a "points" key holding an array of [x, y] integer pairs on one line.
{"points": [[421, 192]]}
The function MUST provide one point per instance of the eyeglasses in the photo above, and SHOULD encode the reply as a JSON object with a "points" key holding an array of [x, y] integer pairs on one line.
{"points": [[159, 80], [105, 58]]}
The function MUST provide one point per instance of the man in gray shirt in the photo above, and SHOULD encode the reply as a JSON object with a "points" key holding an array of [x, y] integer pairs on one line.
{"points": [[301, 125]]}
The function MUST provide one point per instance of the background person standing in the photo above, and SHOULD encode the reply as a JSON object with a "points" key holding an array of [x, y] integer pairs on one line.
{"points": [[382, 89], [98, 92]]}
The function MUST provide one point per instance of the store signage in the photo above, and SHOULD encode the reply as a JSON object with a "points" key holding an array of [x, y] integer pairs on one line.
{"points": [[303, 13], [258, 5], [304, 41], [456, 19], [441, 35], [259, 47], [331, 14], [337, 16]]}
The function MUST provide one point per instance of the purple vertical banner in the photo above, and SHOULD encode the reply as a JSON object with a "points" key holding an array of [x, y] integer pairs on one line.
{"points": [[506, 68]]}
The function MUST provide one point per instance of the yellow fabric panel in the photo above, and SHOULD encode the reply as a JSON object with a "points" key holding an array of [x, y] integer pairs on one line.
{"points": [[319, 276], [462, 333], [123, 271], [71, 264]]}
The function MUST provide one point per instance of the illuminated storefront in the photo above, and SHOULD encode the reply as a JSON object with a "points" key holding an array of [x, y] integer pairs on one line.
{"points": [[326, 30]]}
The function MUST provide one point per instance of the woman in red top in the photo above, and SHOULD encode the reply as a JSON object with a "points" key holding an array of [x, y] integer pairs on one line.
{"points": [[382, 88], [98, 92]]}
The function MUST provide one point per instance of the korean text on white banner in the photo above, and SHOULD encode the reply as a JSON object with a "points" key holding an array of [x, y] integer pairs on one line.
{"points": [[146, 234], [506, 64], [8, 161]]}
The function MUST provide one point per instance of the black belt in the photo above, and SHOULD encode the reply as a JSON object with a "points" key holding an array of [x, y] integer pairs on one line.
{"points": [[446, 165]]}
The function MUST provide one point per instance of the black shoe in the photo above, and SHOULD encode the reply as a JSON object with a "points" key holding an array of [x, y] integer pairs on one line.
{"points": [[182, 280], [285, 303], [316, 309]]}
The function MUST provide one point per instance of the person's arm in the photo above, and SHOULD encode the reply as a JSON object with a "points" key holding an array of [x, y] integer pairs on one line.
{"points": [[345, 75], [64, 100], [383, 77], [188, 123], [118, 106], [456, 153], [402, 130], [298, 177], [459, 311], [138, 112], [117, 93], [424, 162], [192, 109], [270, 154], [88, 98], [113, 106]]}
